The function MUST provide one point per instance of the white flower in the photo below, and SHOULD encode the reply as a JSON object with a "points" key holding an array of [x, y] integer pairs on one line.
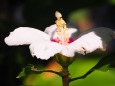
{"points": [[59, 39], [42, 45]]}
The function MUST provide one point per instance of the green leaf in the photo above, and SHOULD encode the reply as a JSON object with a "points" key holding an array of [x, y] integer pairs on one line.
{"points": [[21, 74], [28, 70], [83, 64], [25, 71], [104, 68], [106, 63]]}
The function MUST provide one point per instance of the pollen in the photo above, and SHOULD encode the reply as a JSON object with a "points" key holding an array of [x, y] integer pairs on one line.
{"points": [[62, 29]]}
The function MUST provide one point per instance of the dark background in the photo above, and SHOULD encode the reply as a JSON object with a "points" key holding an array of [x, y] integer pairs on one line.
{"points": [[40, 14]]}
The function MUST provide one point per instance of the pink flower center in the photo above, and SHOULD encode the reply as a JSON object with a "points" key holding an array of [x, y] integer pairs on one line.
{"points": [[60, 42]]}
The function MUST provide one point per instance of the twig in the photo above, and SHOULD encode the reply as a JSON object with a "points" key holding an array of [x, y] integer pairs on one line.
{"points": [[34, 70], [83, 76]]}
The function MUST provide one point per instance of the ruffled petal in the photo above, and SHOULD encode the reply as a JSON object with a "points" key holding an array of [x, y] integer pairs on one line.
{"points": [[91, 40], [51, 30], [45, 50], [25, 35]]}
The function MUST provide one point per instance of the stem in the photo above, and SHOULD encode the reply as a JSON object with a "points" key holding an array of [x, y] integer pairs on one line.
{"points": [[34, 70], [64, 74], [65, 77], [83, 76]]}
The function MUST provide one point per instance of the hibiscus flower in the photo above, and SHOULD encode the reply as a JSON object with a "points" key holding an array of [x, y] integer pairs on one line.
{"points": [[58, 39]]}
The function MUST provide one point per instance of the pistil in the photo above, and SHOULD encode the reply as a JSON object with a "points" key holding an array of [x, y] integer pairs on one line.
{"points": [[62, 29]]}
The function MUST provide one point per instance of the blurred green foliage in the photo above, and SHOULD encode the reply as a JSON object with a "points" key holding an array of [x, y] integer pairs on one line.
{"points": [[78, 68], [111, 2]]}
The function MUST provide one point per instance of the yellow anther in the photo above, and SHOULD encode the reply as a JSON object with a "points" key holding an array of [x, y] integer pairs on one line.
{"points": [[62, 30], [58, 15]]}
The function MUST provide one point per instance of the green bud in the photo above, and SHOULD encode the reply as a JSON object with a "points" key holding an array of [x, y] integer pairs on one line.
{"points": [[64, 61]]}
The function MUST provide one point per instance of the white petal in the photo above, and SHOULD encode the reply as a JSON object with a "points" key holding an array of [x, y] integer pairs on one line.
{"points": [[25, 35], [91, 40], [45, 50], [51, 30], [67, 52], [73, 33]]}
